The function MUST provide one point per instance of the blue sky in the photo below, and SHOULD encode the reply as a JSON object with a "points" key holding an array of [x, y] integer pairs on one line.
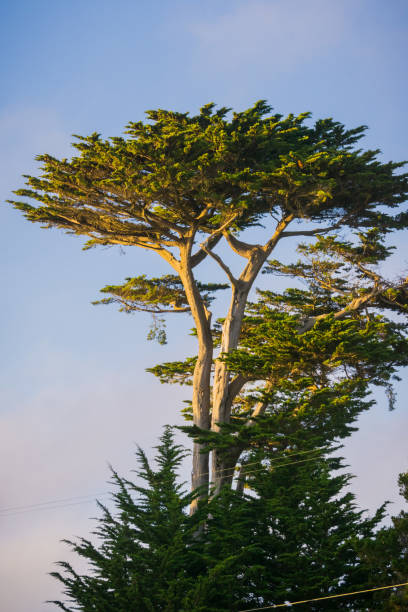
{"points": [[73, 381]]}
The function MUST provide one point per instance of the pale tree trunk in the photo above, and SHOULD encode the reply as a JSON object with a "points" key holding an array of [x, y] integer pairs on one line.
{"points": [[223, 391], [202, 376]]}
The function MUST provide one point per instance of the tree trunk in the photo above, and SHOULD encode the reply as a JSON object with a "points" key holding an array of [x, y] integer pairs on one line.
{"points": [[201, 417], [201, 400]]}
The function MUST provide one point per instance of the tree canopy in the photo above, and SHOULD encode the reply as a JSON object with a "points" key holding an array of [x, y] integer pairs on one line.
{"points": [[276, 382], [181, 186]]}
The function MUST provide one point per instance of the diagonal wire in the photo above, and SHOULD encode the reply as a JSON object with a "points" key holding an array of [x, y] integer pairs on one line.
{"points": [[51, 501], [80, 499], [314, 450], [295, 603], [52, 504]]}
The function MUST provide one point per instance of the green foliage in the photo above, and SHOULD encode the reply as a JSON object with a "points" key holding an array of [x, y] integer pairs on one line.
{"points": [[141, 561], [299, 376], [176, 171], [319, 380], [155, 295], [179, 372]]}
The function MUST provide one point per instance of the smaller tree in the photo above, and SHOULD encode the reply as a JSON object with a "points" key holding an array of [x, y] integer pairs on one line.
{"points": [[141, 561], [292, 533]]}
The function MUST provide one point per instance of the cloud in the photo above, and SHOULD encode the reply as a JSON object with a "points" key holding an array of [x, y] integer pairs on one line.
{"points": [[275, 35]]}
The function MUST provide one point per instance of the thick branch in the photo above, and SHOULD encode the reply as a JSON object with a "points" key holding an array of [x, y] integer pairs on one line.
{"points": [[202, 369], [201, 254], [234, 388], [309, 232], [239, 247], [222, 265], [269, 246], [354, 305]]}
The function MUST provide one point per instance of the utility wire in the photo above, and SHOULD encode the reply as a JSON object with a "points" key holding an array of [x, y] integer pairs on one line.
{"points": [[83, 499], [51, 506], [51, 501], [288, 463], [295, 603], [314, 450]]}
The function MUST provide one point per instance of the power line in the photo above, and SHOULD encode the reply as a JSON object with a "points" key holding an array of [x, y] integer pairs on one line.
{"points": [[315, 450], [83, 499], [51, 501], [52, 505], [288, 463], [295, 603]]}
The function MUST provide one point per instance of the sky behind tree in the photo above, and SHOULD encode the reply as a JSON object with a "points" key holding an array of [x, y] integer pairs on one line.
{"points": [[73, 375]]}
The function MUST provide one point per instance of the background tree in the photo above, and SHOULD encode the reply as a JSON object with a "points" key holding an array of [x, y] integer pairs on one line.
{"points": [[387, 557], [177, 185]]}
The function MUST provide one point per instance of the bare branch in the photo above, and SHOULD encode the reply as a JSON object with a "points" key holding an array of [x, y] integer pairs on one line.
{"points": [[260, 406], [354, 305], [309, 232], [259, 409], [146, 244], [367, 272], [222, 265], [220, 230], [269, 246], [316, 231], [238, 246], [201, 254], [235, 387]]}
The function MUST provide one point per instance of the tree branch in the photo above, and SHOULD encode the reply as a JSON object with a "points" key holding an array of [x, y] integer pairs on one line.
{"points": [[239, 247], [222, 265], [269, 246], [354, 305], [155, 310], [201, 254], [316, 231], [235, 387], [308, 232]]}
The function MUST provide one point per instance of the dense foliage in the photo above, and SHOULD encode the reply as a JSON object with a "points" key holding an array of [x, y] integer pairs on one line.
{"points": [[294, 534]]}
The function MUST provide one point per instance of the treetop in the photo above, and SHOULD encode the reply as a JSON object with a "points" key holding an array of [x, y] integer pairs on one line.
{"points": [[176, 175]]}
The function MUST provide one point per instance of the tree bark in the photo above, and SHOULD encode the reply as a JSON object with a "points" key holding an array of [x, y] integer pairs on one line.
{"points": [[201, 400], [221, 409]]}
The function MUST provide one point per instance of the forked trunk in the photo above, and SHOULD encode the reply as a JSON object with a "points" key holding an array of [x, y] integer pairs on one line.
{"points": [[222, 462]]}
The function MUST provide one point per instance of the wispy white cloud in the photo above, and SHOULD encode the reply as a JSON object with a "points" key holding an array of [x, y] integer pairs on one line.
{"points": [[274, 34]]}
